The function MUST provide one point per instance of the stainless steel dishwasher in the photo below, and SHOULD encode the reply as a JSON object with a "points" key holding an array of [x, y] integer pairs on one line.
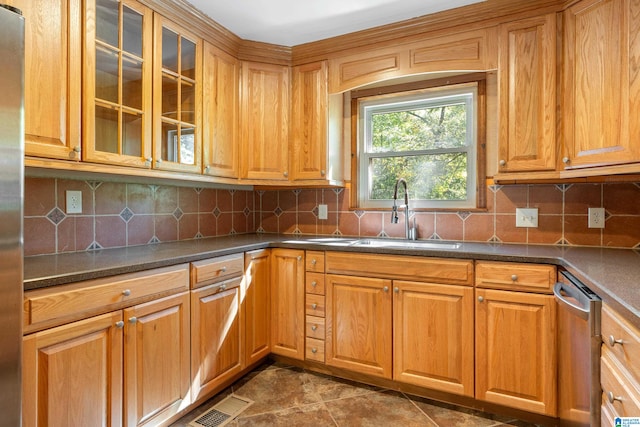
{"points": [[579, 341]]}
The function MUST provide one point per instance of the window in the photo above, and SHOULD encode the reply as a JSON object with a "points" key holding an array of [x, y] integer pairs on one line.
{"points": [[429, 138]]}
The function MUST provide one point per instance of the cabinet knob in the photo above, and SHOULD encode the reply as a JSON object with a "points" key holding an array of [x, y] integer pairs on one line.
{"points": [[396, 289], [313, 261], [285, 173], [133, 320], [502, 163], [514, 277], [126, 292], [566, 160], [314, 327], [222, 287], [119, 324], [148, 161], [613, 341], [314, 305], [314, 284], [158, 162], [314, 350], [386, 289], [322, 172], [299, 258], [207, 168], [223, 269], [612, 398], [480, 298]]}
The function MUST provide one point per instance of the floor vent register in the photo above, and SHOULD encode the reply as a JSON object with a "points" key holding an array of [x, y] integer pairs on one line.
{"points": [[223, 412]]}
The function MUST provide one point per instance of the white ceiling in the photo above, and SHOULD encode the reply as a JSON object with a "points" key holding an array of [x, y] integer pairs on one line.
{"points": [[294, 22]]}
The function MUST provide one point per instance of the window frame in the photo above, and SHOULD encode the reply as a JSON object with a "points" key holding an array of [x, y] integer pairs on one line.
{"points": [[405, 92]]}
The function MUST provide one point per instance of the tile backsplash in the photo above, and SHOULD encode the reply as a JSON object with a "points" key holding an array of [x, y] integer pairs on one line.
{"points": [[121, 214]]}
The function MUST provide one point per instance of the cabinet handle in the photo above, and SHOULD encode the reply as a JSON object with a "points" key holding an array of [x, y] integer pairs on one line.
{"points": [[299, 258], [502, 163], [314, 284], [480, 298], [396, 289], [514, 277], [133, 320], [613, 341], [612, 398], [314, 305], [314, 327], [285, 173], [313, 261], [566, 160], [386, 289], [126, 292], [119, 324], [322, 172], [223, 269], [314, 350]]}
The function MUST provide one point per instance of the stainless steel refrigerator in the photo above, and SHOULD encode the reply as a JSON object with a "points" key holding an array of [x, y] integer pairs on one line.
{"points": [[11, 201]]}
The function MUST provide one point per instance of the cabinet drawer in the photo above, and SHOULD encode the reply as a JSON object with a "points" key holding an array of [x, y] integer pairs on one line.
{"points": [[625, 339], [398, 267], [216, 269], [315, 327], [514, 276], [315, 305], [314, 350], [617, 385], [315, 261], [314, 283], [102, 295]]}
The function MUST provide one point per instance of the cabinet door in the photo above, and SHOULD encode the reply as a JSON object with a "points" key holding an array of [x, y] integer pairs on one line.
{"points": [[602, 83], [156, 360], [117, 73], [358, 324], [216, 335], [264, 121], [309, 113], [52, 77], [528, 95], [287, 303], [72, 374], [177, 98], [516, 350], [433, 336], [257, 305], [220, 108]]}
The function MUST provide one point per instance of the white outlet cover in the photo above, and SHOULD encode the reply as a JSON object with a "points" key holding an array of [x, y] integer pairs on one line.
{"points": [[323, 212], [74, 202], [527, 217], [596, 217]]}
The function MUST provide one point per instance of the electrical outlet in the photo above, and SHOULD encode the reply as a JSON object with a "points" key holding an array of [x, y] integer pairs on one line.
{"points": [[323, 212], [596, 217], [74, 202], [527, 217]]}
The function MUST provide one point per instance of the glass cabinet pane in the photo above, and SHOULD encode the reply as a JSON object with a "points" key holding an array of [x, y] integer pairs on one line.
{"points": [[169, 50], [132, 134], [106, 74], [169, 97], [188, 98], [106, 135], [131, 31], [169, 142], [131, 83], [188, 58], [187, 146], [107, 29]]}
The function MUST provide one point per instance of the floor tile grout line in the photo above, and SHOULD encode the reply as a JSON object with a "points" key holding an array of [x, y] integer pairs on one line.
{"points": [[420, 409]]}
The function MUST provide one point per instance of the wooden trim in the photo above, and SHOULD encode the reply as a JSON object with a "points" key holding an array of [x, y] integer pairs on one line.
{"points": [[264, 52], [422, 84]]}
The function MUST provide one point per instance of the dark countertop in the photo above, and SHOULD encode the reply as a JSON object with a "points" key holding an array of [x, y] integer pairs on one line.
{"points": [[614, 274]]}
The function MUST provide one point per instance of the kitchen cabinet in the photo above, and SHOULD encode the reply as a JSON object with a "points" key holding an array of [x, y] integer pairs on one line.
{"points": [[107, 351], [527, 85], [256, 305], [52, 85], [117, 83], [601, 87], [177, 95], [315, 306], [516, 361], [220, 130], [264, 121], [287, 303]]}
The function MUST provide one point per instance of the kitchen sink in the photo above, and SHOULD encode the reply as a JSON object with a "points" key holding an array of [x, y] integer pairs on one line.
{"points": [[408, 244]]}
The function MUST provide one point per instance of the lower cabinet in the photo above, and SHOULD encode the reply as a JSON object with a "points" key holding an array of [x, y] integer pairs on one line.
{"points": [[256, 305]]}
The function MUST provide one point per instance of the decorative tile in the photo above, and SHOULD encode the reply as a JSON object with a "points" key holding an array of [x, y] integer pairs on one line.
{"points": [[94, 246], [464, 215], [246, 212], [56, 216], [277, 211], [126, 214], [177, 214], [216, 212], [154, 239], [94, 184]]}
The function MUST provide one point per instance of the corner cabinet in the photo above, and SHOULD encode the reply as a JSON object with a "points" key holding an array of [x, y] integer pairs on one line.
{"points": [[601, 99], [52, 84], [527, 85], [264, 121]]}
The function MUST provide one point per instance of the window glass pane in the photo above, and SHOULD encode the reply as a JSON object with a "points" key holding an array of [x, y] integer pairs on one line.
{"points": [[187, 140], [429, 177], [106, 129], [106, 74], [169, 50], [188, 53], [423, 128], [169, 142], [132, 31], [107, 21], [188, 94], [131, 83], [169, 97], [132, 134]]}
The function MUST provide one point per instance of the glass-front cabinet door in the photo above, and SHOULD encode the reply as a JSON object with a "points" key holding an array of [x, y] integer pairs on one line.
{"points": [[177, 98], [117, 83]]}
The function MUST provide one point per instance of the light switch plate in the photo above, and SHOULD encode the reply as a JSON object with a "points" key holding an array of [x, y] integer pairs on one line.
{"points": [[323, 212], [527, 217]]}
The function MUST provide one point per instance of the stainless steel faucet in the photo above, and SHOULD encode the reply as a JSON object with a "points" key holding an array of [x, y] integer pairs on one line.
{"points": [[409, 233]]}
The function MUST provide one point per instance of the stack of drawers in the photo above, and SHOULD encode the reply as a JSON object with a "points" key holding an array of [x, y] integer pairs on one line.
{"points": [[620, 367], [314, 306]]}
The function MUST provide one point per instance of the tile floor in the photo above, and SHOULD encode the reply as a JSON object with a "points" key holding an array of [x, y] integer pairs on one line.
{"points": [[292, 397]]}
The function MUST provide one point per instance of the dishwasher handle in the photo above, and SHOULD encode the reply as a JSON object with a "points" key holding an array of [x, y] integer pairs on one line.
{"points": [[574, 293]]}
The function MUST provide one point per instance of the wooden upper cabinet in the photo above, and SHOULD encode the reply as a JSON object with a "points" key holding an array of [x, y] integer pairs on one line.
{"points": [[52, 77], [527, 84], [221, 88], [601, 100], [264, 121], [117, 73], [177, 98]]}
